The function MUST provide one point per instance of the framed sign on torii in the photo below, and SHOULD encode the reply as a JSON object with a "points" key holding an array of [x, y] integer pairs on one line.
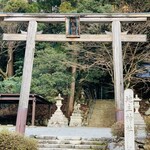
{"points": [[73, 26], [72, 34]]}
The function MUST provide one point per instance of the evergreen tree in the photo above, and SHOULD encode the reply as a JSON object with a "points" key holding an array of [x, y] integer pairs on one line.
{"points": [[50, 76]]}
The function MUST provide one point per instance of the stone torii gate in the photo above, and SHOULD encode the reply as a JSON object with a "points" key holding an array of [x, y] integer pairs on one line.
{"points": [[116, 37]]}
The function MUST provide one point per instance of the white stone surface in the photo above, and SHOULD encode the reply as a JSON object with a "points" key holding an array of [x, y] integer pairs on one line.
{"points": [[76, 118], [58, 119], [138, 119], [129, 119]]}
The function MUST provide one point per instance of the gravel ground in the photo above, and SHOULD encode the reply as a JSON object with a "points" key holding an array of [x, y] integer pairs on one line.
{"points": [[85, 132]]}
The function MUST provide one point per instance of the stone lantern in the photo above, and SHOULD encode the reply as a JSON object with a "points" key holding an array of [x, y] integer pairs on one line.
{"points": [[76, 118], [138, 119], [58, 119]]}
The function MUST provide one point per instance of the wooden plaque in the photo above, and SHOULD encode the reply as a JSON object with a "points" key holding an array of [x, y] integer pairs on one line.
{"points": [[73, 27]]}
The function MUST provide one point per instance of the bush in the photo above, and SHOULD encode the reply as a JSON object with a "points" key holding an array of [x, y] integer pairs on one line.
{"points": [[117, 129], [147, 144], [13, 141], [147, 122]]}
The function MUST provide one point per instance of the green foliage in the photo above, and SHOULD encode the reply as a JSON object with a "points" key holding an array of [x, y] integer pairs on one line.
{"points": [[66, 7], [93, 75], [10, 85], [117, 129], [138, 5], [86, 6], [50, 75], [16, 6], [18, 67], [33, 8], [10, 140], [73, 2], [131, 5], [93, 6], [20, 6], [46, 5], [2, 4]]}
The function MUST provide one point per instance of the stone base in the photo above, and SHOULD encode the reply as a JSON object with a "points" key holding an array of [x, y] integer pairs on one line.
{"points": [[75, 122], [57, 124], [139, 122], [58, 120]]}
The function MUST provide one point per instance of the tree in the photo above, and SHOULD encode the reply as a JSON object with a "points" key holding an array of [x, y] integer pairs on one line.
{"points": [[47, 6], [133, 55], [20, 6], [131, 6], [66, 7], [16, 6], [10, 47], [50, 76], [94, 6], [100, 55], [11, 85], [73, 51]]}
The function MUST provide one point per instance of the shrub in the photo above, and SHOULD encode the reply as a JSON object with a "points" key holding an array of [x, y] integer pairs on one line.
{"points": [[147, 122], [117, 129], [13, 141], [147, 144]]}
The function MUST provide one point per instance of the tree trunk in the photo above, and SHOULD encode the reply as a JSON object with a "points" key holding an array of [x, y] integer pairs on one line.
{"points": [[73, 83], [72, 90], [10, 68], [3, 74]]}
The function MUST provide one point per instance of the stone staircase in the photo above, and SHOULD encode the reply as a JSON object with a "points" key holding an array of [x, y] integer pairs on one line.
{"points": [[70, 143], [103, 114]]}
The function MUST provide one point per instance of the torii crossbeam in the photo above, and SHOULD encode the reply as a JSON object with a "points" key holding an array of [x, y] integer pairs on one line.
{"points": [[116, 37]]}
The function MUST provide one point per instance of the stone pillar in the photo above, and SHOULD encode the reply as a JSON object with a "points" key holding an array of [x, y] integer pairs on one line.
{"points": [[129, 120], [76, 118], [138, 119], [58, 119]]}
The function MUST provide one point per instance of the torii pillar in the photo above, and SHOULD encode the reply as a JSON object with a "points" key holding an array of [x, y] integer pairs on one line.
{"points": [[118, 70], [26, 78]]}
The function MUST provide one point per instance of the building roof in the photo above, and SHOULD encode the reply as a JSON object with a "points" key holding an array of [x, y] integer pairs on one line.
{"points": [[146, 74], [14, 98]]}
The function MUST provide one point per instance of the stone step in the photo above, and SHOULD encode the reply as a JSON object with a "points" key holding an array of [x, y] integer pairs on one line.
{"points": [[73, 146], [83, 142], [68, 138], [56, 137], [70, 143], [64, 149]]}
